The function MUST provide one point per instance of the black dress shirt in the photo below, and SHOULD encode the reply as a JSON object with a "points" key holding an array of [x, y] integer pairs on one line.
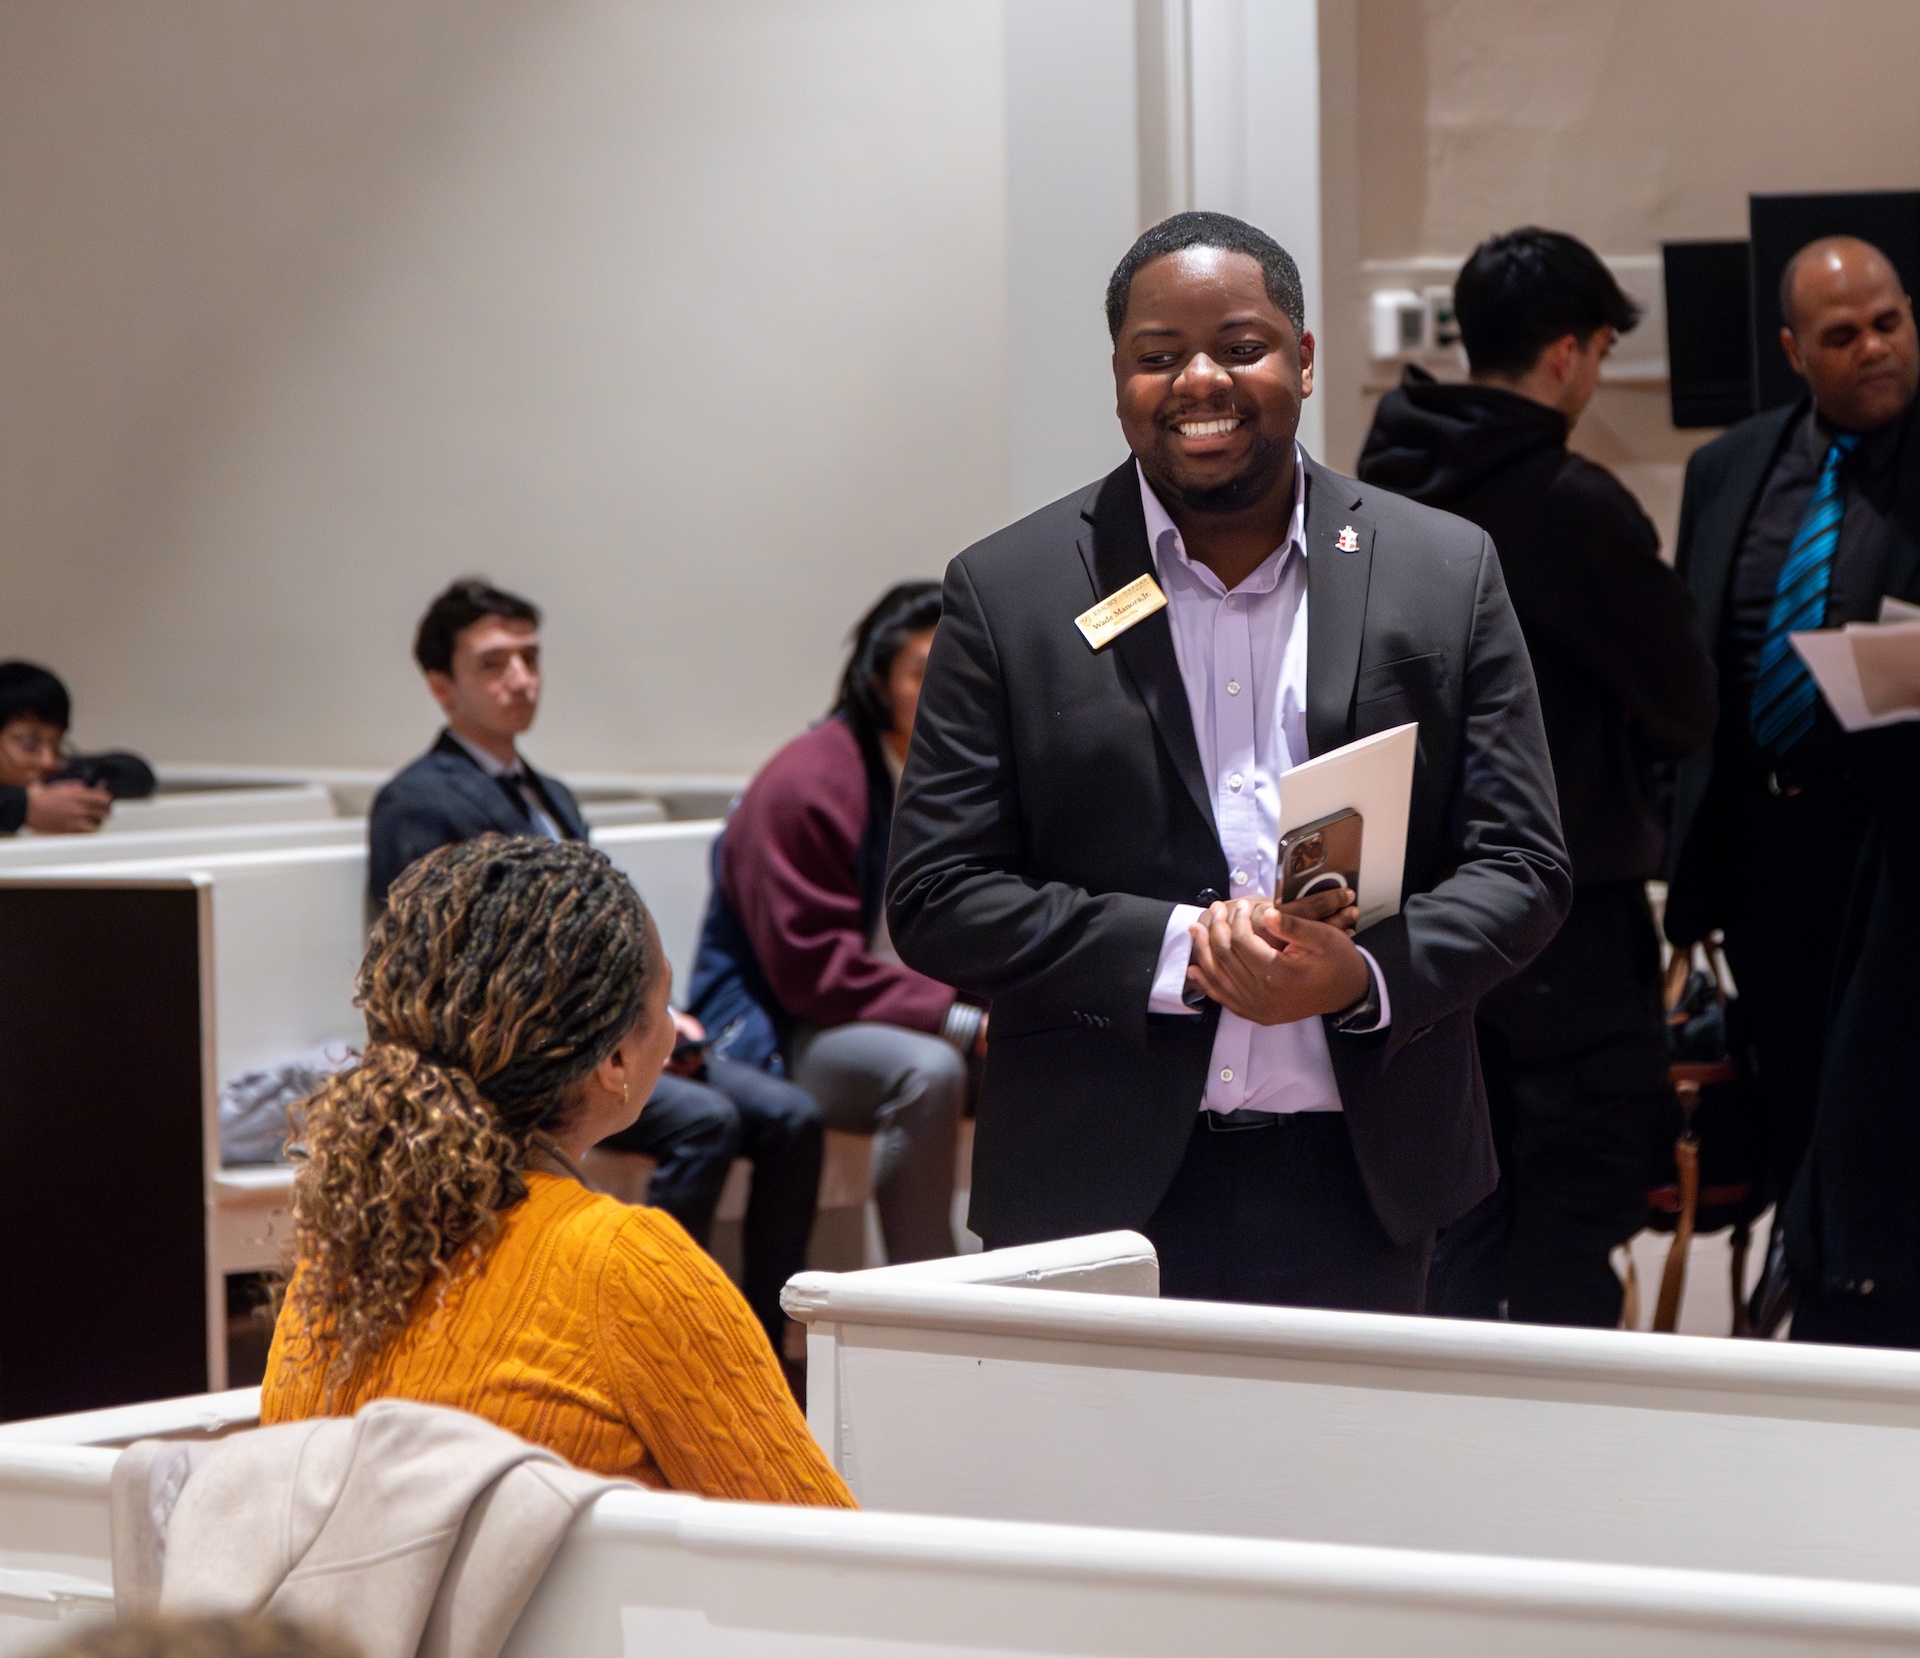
{"points": [[1870, 481]]}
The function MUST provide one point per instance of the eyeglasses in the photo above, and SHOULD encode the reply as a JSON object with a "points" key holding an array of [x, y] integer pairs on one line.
{"points": [[29, 746]]}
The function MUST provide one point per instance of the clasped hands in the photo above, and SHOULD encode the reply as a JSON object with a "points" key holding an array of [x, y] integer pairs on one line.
{"points": [[68, 807], [1275, 963]]}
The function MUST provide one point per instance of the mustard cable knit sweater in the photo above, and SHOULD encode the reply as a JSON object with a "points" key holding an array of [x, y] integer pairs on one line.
{"points": [[602, 1332]]}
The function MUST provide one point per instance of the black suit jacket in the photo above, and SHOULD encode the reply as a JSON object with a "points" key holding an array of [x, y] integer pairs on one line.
{"points": [[1054, 810], [444, 797], [1723, 486]]}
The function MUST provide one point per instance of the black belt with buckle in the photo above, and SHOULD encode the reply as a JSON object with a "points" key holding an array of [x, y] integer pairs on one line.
{"points": [[1236, 1122], [1784, 782]]}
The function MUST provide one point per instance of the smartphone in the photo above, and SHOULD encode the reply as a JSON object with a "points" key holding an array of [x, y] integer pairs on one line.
{"points": [[1321, 856], [689, 1057]]}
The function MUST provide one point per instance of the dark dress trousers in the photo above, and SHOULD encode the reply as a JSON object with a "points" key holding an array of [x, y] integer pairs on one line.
{"points": [[692, 1127], [1054, 810], [1759, 840], [1853, 1220]]}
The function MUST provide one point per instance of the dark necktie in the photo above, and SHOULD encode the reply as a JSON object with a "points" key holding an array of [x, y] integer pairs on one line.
{"points": [[514, 783], [1783, 690]]}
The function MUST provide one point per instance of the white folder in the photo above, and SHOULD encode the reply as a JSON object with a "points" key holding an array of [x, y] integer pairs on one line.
{"points": [[1373, 777]]}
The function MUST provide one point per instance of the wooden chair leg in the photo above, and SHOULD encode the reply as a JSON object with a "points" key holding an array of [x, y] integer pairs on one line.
{"points": [[1742, 1240], [1673, 1282]]}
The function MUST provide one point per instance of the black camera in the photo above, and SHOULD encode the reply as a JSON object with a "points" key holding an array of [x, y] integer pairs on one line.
{"points": [[124, 776]]}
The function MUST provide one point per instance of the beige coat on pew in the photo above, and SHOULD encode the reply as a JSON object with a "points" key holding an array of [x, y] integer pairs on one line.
{"points": [[408, 1529]]}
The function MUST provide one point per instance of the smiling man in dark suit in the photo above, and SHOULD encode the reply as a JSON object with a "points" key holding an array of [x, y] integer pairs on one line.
{"points": [[1087, 835]]}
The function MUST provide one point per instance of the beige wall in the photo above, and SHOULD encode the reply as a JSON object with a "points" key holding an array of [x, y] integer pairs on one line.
{"points": [[702, 320], [686, 317], [1625, 122]]}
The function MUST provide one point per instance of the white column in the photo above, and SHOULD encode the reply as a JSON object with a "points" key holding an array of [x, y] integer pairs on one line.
{"points": [[1255, 122], [1073, 195], [1163, 40], [1119, 114]]}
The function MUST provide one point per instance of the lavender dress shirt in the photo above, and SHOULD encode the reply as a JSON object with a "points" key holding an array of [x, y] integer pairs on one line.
{"points": [[1243, 661]]}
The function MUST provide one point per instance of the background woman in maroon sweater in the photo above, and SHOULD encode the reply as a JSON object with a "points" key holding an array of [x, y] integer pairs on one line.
{"points": [[801, 868]]}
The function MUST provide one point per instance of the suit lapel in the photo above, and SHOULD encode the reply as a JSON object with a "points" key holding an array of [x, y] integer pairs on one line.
{"points": [[1114, 547], [1339, 566], [571, 824], [480, 791], [1724, 517]]}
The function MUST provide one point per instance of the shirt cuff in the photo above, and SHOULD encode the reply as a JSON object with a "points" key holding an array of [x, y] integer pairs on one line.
{"points": [[1378, 991], [1169, 993], [961, 1026]]}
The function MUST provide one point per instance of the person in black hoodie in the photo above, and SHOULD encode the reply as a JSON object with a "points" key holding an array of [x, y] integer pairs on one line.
{"points": [[1573, 1047]]}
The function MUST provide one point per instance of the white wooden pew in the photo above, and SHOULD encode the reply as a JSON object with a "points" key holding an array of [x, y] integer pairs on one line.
{"points": [[264, 971], [281, 934], [65, 851], [644, 1573], [952, 1387], [668, 865], [605, 797], [195, 808], [281, 931]]}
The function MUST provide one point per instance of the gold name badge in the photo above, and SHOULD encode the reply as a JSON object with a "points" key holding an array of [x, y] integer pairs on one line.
{"points": [[1117, 612]]}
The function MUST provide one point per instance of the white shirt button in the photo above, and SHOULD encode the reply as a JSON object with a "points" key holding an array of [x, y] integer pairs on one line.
{"points": [[1240, 875], [1227, 1074], [1233, 601], [1233, 687], [1234, 782]]}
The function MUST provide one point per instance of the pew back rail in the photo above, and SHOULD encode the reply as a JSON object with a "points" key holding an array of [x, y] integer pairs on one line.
{"points": [[1084, 1408], [644, 1572]]}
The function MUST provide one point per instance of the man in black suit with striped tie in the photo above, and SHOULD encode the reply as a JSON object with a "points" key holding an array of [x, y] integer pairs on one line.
{"points": [[1802, 517]]}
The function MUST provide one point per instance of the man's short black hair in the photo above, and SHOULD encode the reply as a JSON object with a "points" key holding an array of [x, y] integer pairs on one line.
{"points": [[1210, 230], [1519, 292], [29, 690], [464, 603], [907, 608]]}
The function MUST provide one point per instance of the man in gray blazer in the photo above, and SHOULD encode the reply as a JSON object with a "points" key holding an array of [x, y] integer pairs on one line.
{"points": [[1086, 831]]}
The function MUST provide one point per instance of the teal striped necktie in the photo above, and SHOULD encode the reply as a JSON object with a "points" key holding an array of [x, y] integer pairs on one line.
{"points": [[1783, 690]]}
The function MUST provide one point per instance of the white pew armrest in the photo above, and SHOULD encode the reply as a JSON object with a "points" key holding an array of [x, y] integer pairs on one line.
{"points": [[246, 1185], [1107, 1263], [53, 1588], [198, 1416]]}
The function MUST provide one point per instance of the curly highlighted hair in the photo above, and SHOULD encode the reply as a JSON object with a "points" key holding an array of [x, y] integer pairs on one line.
{"points": [[502, 973]]}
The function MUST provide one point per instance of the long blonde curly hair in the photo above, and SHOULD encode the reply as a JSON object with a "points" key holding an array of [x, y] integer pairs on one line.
{"points": [[502, 973]]}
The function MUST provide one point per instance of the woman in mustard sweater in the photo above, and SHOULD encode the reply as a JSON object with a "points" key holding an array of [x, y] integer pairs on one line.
{"points": [[446, 1247]]}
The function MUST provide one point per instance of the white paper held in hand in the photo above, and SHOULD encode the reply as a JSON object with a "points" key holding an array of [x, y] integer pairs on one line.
{"points": [[1869, 672], [1374, 777]]}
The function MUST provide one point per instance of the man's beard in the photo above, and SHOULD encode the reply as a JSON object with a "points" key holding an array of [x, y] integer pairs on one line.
{"points": [[1265, 463]]}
